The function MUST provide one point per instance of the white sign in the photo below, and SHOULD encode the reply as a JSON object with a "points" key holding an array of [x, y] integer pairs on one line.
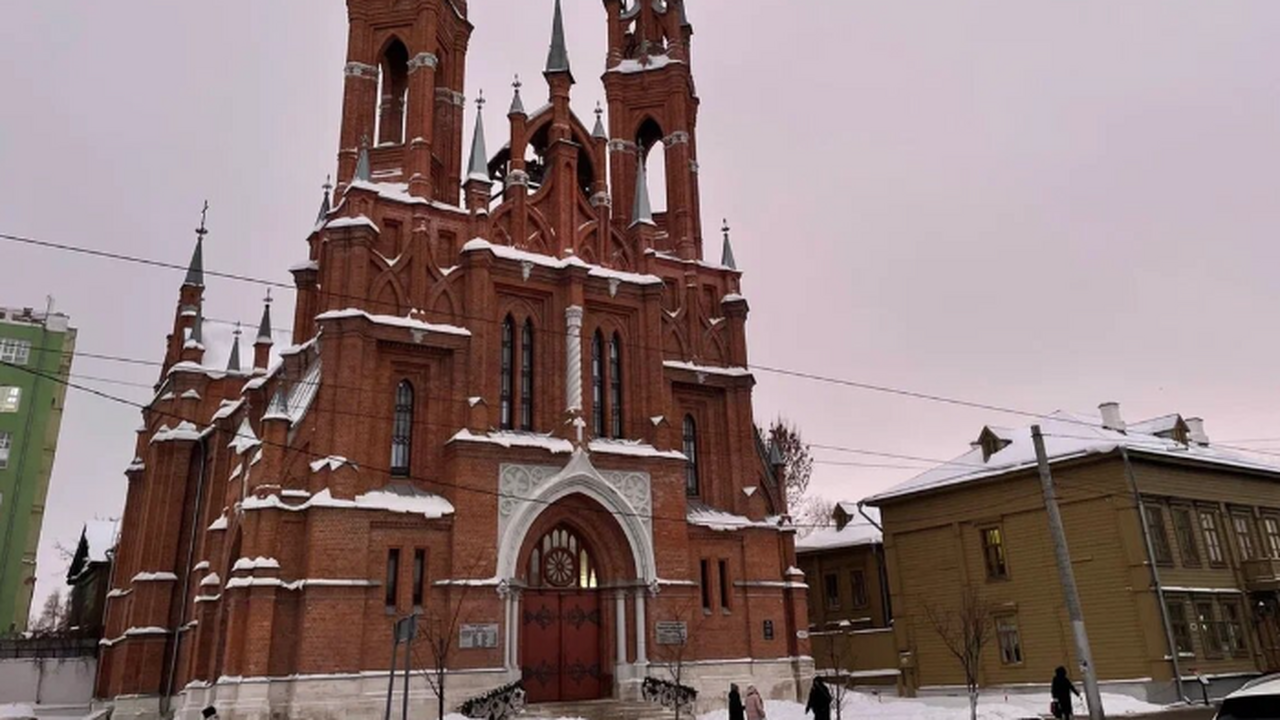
{"points": [[472, 637]]}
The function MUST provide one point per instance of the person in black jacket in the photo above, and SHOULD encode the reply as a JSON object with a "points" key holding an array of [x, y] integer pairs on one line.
{"points": [[819, 700], [736, 710], [1062, 691]]}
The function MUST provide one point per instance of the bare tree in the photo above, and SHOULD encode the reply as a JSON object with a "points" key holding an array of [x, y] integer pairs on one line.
{"points": [[673, 656], [839, 655], [53, 615], [438, 627], [813, 512], [796, 457], [966, 630]]}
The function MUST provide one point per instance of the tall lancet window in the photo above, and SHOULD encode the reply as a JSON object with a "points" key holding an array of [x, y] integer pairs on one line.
{"points": [[508, 372], [597, 385], [393, 94], [691, 484], [615, 386], [526, 377], [402, 431]]}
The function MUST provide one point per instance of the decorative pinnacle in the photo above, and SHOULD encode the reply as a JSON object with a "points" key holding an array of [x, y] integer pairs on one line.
{"points": [[726, 258], [195, 270], [558, 56], [478, 168], [264, 326], [517, 105], [599, 131]]}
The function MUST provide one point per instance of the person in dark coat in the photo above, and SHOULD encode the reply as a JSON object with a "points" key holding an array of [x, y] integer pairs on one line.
{"points": [[819, 701], [1062, 691], [737, 711]]}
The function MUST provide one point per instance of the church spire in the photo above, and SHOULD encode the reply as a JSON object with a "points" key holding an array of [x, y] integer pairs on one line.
{"points": [[517, 105], [325, 204], [195, 269], [479, 168], [233, 363], [726, 258], [599, 131], [643, 212], [558, 56], [262, 344]]}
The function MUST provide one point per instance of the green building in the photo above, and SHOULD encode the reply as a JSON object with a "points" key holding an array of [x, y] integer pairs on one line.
{"points": [[35, 358]]}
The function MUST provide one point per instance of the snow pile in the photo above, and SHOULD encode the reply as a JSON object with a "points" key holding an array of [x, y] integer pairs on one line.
{"points": [[17, 711], [996, 707]]}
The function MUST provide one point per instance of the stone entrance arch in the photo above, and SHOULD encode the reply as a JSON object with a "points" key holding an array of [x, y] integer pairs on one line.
{"points": [[589, 624]]}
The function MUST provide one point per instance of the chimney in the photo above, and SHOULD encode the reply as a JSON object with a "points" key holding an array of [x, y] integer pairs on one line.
{"points": [[1195, 428], [1111, 419]]}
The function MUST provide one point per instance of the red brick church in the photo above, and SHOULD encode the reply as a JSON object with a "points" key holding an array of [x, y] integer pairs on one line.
{"points": [[517, 405]]}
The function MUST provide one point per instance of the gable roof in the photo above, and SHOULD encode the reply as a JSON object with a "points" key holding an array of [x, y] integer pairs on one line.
{"points": [[1067, 436]]}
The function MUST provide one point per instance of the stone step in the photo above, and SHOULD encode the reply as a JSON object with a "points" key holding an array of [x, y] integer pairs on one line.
{"points": [[599, 710]]}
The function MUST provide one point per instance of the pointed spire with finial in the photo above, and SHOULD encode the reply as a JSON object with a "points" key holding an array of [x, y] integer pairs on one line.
{"points": [[599, 131], [363, 170], [233, 363], [517, 105], [278, 407], [264, 327], [479, 168], [195, 270], [326, 203], [726, 258], [642, 214], [558, 56]]}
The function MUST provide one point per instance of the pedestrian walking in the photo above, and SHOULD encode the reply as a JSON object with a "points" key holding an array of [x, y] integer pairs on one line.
{"points": [[1062, 691], [736, 709], [819, 701], [755, 704]]}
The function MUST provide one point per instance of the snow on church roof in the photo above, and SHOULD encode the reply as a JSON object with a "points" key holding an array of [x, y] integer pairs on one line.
{"points": [[395, 498], [554, 263], [1068, 436], [394, 321]]}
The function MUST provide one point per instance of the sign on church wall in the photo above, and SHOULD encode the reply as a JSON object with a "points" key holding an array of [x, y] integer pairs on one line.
{"points": [[472, 637], [671, 633]]}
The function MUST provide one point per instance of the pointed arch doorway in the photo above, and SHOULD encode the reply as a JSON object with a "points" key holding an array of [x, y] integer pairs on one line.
{"points": [[562, 654]]}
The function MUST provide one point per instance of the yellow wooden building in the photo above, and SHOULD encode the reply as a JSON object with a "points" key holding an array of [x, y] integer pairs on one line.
{"points": [[1175, 542]]}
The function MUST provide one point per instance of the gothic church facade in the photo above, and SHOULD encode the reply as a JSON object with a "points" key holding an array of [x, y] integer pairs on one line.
{"points": [[517, 405]]}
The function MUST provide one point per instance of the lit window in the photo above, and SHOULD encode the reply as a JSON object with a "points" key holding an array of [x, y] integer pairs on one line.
{"points": [[1272, 527], [691, 456], [831, 586], [1244, 537], [6, 440], [15, 352], [1212, 538], [994, 554], [1159, 535], [10, 399], [1010, 640], [402, 431], [562, 561]]}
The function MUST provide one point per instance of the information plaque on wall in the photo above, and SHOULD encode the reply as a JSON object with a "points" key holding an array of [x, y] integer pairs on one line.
{"points": [[472, 637], [671, 633]]}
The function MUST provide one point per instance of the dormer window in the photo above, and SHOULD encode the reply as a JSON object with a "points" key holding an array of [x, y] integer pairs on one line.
{"points": [[993, 440]]}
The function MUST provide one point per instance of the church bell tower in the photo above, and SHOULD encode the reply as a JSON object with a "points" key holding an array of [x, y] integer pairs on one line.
{"points": [[403, 99]]}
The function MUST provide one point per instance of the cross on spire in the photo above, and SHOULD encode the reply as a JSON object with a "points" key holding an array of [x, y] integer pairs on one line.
{"points": [[195, 269], [204, 213]]}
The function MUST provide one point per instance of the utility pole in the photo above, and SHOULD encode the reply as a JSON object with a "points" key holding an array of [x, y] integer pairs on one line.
{"points": [[1068, 577]]}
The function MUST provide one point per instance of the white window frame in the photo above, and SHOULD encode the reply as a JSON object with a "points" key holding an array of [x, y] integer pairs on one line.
{"points": [[10, 398], [15, 351], [1009, 638]]}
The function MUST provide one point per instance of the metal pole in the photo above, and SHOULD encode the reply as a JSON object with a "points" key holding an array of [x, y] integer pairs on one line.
{"points": [[1068, 578], [391, 677], [1155, 575], [409, 632]]}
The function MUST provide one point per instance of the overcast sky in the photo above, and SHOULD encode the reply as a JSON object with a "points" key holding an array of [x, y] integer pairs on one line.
{"points": [[1037, 205]]}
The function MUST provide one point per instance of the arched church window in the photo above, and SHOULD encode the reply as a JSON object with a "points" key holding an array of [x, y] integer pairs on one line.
{"points": [[508, 372], [393, 93], [597, 385], [526, 377], [653, 153], [615, 386], [691, 482], [402, 431], [560, 560]]}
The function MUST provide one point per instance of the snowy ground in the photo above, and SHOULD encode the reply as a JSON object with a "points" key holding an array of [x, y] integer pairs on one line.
{"points": [[859, 705], [15, 710]]}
